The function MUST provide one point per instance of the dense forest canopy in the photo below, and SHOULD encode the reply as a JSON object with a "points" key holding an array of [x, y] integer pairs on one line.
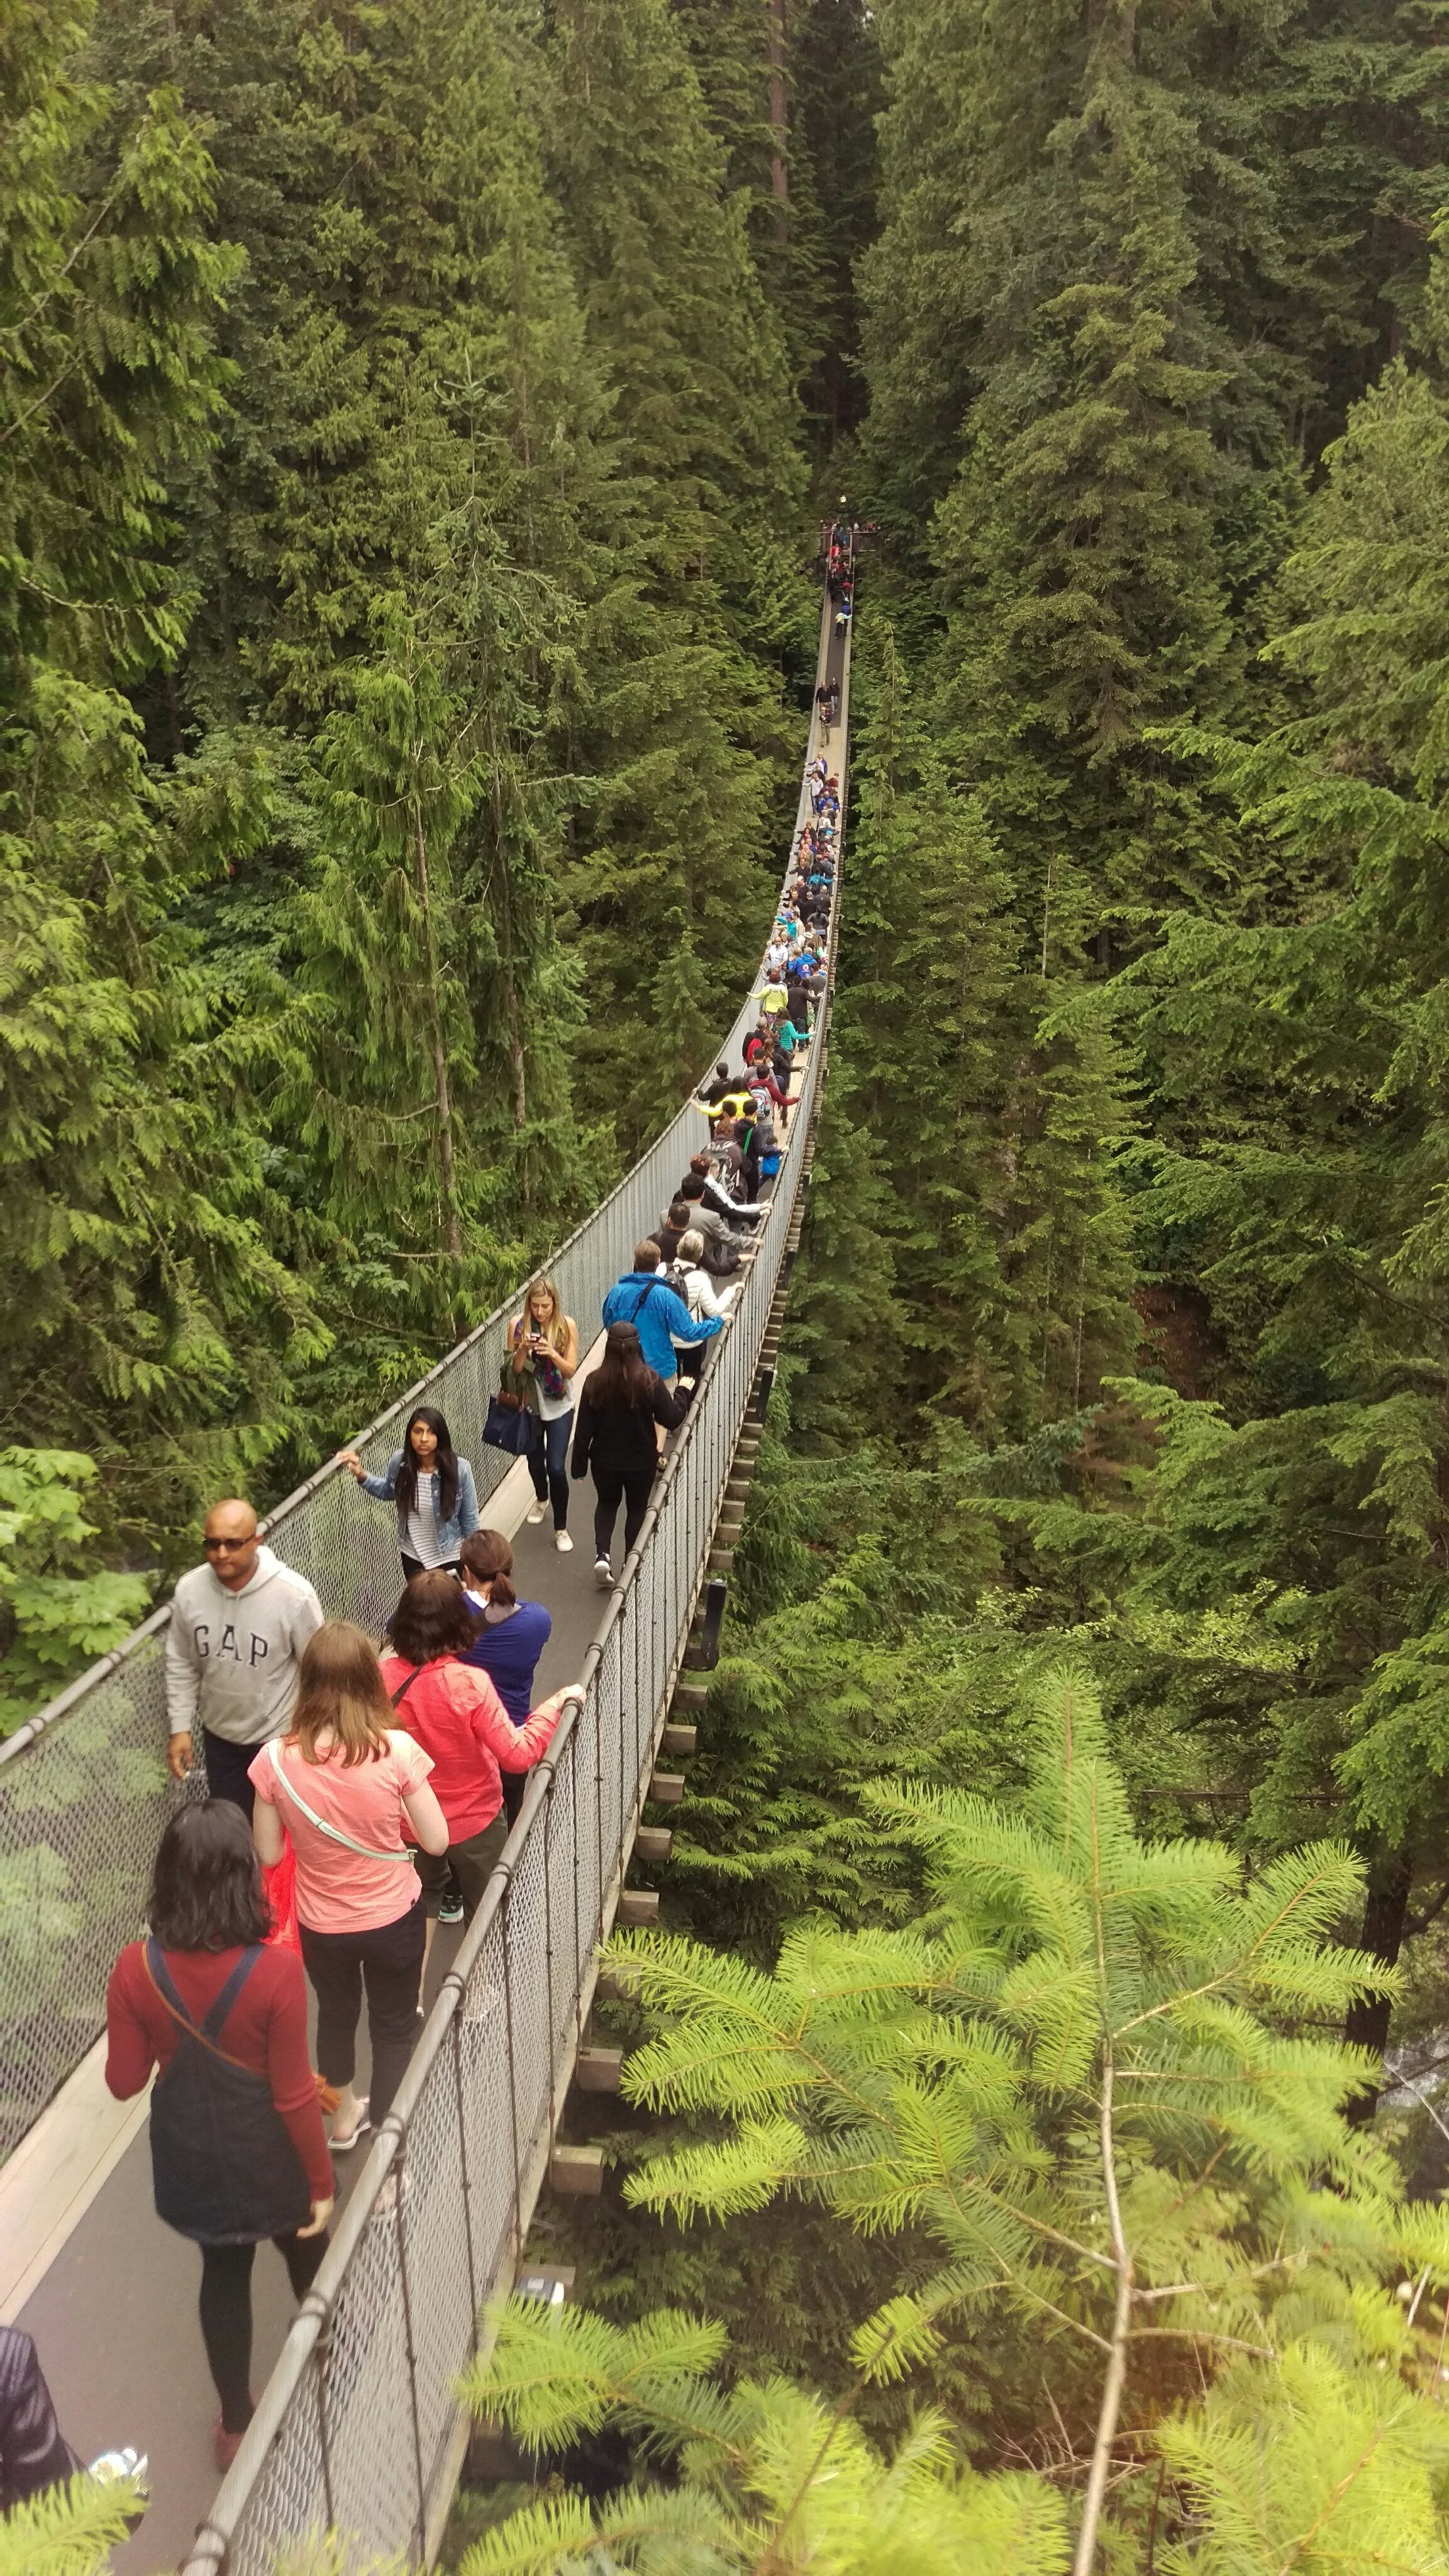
{"points": [[414, 419]]}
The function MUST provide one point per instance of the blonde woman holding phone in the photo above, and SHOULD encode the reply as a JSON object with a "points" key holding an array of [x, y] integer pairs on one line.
{"points": [[543, 1355]]}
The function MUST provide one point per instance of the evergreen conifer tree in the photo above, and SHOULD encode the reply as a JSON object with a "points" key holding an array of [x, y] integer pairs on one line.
{"points": [[152, 1323], [679, 727], [1085, 2073]]}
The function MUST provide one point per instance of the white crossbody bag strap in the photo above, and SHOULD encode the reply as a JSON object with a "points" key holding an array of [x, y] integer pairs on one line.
{"points": [[334, 1833]]}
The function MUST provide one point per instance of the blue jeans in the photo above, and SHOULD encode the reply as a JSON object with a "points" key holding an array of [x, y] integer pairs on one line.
{"points": [[548, 1460]]}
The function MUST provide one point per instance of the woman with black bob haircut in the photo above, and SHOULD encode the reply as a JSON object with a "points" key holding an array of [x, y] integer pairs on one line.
{"points": [[237, 2150], [430, 1488]]}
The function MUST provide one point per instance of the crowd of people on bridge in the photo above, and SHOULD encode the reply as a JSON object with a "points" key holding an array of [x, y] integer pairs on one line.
{"points": [[360, 1791]]}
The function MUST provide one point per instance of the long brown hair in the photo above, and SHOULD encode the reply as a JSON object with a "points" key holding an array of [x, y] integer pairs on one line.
{"points": [[487, 1556], [556, 1331], [339, 1687], [621, 1376]]}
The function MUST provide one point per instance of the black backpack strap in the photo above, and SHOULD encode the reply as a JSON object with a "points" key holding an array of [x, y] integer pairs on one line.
{"points": [[404, 1687], [209, 2031], [215, 2021], [165, 1984]]}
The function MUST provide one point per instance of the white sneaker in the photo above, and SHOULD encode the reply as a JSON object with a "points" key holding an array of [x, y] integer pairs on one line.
{"points": [[563, 1542], [537, 1514], [603, 1574]]}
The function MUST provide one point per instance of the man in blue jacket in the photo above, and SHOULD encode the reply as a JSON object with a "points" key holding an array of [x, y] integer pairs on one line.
{"points": [[660, 1319]]}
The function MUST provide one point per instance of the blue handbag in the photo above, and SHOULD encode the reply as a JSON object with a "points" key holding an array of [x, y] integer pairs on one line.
{"points": [[509, 1425]]}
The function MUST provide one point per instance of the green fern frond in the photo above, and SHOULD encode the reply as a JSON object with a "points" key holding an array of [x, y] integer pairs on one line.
{"points": [[69, 2530], [542, 2540], [1309, 2467], [719, 2182], [554, 2374]]}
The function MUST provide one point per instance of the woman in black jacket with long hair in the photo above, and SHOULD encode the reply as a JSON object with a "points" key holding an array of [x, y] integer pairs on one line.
{"points": [[617, 1412]]}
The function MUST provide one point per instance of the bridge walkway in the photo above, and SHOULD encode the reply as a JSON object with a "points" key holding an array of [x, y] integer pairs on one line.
{"points": [[114, 2313]]}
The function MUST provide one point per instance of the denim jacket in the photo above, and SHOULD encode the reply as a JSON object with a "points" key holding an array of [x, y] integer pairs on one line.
{"points": [[451, 1533]]}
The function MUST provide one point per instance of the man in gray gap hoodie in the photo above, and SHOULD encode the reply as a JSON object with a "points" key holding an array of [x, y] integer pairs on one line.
{"points": [[238, 1626]]}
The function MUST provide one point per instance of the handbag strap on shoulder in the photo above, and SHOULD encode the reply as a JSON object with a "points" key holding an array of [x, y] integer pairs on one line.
{"points": [[334, 1833]]}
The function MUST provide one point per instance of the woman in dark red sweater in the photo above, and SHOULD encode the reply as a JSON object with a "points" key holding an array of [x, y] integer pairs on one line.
{"points": [[237, 2150]]}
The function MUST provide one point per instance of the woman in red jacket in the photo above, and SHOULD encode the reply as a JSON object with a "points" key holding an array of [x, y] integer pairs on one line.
{"points": [[453, 1711], [237, 2151]]}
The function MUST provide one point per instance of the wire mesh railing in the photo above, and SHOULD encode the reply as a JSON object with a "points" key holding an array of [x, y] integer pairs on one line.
{"points": [[359, 2431], [84, 1792]]}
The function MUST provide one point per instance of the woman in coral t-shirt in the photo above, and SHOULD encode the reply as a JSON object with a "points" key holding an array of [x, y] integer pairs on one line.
{"points": [[342, 1783], [460, 1721]]}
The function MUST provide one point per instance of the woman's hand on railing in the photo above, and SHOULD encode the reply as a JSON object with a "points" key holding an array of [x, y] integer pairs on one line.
{"points": [[349, 1459]]}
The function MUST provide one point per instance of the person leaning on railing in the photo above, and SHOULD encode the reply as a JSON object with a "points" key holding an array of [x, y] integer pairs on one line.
{"points": [[713, 1172], [430, 1488], [453, 1711]]}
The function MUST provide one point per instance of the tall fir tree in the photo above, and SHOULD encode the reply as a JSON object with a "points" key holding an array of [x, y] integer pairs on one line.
{"points": [[152, 1323]]}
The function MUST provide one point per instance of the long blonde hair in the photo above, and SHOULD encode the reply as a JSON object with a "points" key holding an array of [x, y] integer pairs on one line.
{"points": [[339, 1688], [556, 1331]]}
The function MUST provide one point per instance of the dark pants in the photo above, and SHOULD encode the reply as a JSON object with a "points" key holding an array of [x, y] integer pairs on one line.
{"points": [[548, 1464], [469, 1864], [411, 1566], [226, 2314], [389, 1959], [634, 1492], [226, 1770]]}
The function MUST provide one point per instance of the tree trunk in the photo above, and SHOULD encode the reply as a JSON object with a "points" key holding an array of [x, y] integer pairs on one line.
{"points": [[1116, 2379], [779, 169], [515, 1057], [1385, 1910], [442, 1098]]}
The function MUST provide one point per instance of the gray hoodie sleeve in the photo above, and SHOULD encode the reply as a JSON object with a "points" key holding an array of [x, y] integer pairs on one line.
{"points": [[307, 1616], [183, 1670]]}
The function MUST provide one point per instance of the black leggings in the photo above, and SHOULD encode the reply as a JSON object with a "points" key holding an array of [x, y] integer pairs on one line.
{"points": [[634, 1492], [389, 1961], [226, 2314]]}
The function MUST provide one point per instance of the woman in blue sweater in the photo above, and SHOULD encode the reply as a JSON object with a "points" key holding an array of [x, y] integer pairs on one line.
{"points": [[511, 1637]]}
